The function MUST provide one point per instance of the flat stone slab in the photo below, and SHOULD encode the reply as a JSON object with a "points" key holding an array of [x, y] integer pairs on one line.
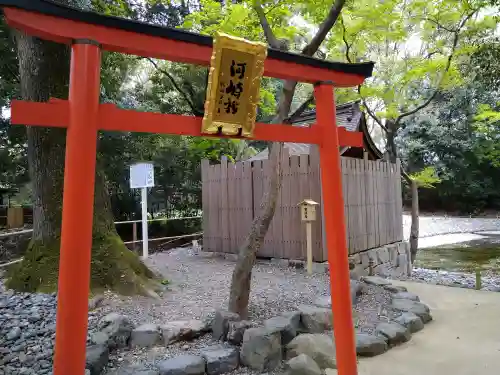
{"points": [[369, 345], [375, 280], [220, 359], [411, 321], [406, 295], [417, 308], [394, 332], [183, 365]]}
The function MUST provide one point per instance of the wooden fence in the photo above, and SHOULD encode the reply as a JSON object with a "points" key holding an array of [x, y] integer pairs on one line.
{"points": [[232, 194]]}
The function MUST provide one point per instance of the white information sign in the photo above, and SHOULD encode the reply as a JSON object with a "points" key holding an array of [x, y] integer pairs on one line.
{"points": [[142, 175]]}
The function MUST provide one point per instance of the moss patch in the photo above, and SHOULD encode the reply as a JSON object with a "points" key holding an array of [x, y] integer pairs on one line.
{"points": [[114, 267]]}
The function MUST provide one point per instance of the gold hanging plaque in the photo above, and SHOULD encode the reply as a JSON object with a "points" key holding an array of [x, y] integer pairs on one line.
{"points": [[233, 86]]}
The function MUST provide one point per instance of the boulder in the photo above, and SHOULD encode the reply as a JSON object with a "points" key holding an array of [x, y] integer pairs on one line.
{"points": [[114, 331], [145, 336], [374, 280], [97, 357], [395, 288], [220, 324], [237, 330], [261, 349], [394, 332], [324, 302], [319, 347], [417, 308], [284, 326], [220, 359], [410, 321], [182, 365], [406, 295], [369, 345], [182, 330], [302, 365], [315, 319], [294, 317]]}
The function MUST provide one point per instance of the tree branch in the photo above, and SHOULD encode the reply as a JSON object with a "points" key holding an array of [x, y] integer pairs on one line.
{"points": [[370, 112], [290, 119], [347, 46], [456, 38], [324, 28], [186, 97], [268, 32]]}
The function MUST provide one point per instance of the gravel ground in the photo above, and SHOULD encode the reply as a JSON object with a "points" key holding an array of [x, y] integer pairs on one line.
{"points": [[490, 282], [199, 284], [434, 225]]}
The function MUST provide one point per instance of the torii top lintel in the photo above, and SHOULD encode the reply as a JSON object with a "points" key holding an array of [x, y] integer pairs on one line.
{"points": [[63, 24]]}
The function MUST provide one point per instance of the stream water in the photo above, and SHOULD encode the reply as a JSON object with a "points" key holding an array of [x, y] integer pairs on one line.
{"points": [[465, 256]]}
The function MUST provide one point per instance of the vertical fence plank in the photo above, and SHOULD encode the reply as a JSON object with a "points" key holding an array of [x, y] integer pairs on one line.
{"points": [[205, 201], [267, 249], [304, 192], [399, 201], [293, 217], [238, 214], [247, 198], [345, 196], [225, 207]]}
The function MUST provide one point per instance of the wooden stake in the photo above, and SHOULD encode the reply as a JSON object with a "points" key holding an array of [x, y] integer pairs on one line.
{"points": [[309, 246]]}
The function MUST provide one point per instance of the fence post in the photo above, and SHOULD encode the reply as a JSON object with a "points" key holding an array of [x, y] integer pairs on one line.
{"points": [[134, 235], [15, 217]]}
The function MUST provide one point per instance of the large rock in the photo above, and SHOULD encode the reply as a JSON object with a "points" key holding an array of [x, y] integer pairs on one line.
{"points": [[417, 308], [97, 357], [220, 359], [284, 326], [114, 331], [317, 346], [220, 324], [183, 365], [237, 330], [411, 321], [315, 319], [394, 332], [369, 345], [145, 336], [395, 288], [374, 280], [261, 349], [182, 330], [406, 295], [302, 365]]}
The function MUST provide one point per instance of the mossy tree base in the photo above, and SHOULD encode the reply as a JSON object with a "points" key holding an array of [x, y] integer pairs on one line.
{"points": [[114, 267]]}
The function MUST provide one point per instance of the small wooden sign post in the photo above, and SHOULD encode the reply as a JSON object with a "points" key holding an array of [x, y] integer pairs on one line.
{"points": [[308, 215]]}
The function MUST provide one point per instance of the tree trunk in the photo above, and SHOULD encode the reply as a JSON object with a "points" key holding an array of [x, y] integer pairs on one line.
{"points": [[414, 221], [392, 127], [44, 72], [242, 274]]}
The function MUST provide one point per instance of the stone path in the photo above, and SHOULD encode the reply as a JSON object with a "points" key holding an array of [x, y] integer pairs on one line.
{"points": [[463, 339]]}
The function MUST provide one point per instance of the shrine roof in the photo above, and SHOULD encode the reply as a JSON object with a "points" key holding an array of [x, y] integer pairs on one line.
{"points": [[50, 8]]}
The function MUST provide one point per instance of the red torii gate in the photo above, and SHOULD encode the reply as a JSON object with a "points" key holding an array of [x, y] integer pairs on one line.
{"points": [[83, 116]]}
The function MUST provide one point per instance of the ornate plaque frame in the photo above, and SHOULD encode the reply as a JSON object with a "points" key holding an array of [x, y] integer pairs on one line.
{"points": [[210, 125]]}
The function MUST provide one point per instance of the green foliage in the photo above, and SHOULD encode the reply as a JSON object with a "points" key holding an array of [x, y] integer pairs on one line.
{"points": [[426, 178]]}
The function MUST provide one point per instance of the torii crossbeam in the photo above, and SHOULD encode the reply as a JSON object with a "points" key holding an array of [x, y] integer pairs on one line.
{"points": [[88, 33]]}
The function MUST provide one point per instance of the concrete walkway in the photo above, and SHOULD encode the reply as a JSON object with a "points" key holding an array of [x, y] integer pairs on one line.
{"points": [[463, 339]]}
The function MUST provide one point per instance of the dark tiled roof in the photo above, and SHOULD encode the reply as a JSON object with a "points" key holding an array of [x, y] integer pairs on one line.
{"points": [[348, 116]]}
